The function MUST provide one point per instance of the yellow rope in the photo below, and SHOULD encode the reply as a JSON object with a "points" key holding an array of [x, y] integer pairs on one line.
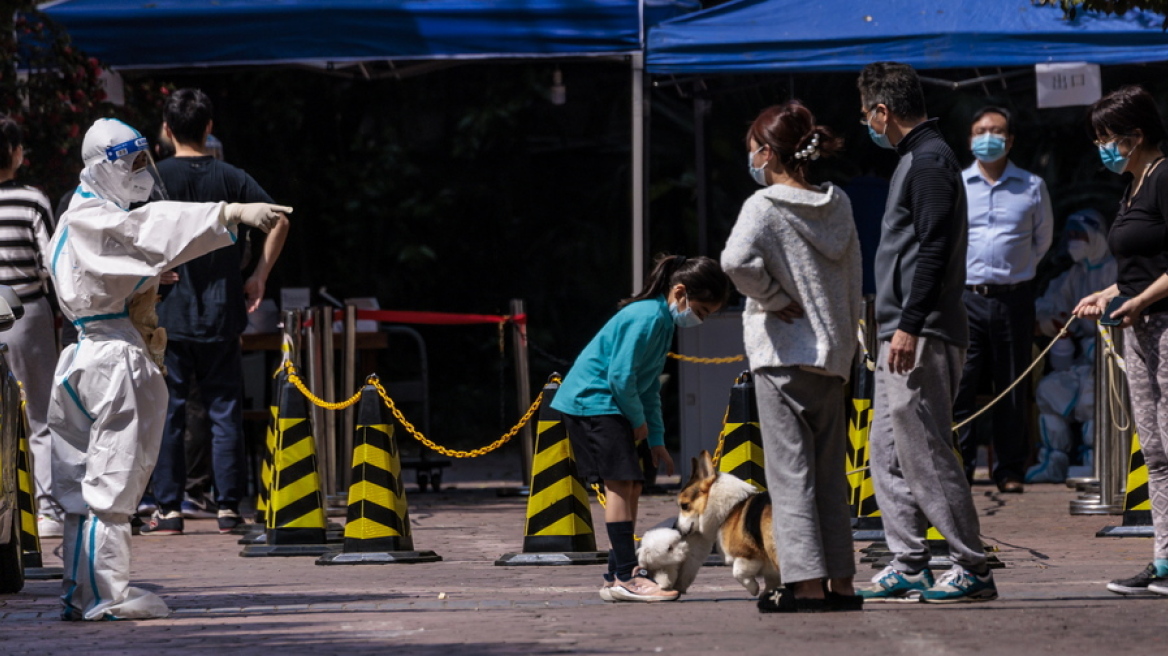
{"points": [[691, 358]]}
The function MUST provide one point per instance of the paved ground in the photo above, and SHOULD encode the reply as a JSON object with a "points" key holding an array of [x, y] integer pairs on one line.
{"points": [[1053, 599]]}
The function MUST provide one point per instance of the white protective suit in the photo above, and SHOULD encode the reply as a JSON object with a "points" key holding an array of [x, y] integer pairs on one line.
{"points": [[109, 399], [1066, 396]]}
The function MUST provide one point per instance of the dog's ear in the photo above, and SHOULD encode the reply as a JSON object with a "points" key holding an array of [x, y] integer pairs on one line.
{"points": [[693, 473], [704, 466]]}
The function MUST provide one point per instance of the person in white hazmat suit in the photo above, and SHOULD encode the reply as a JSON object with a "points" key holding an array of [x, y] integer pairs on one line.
{"points": [[1066, 396], [109, 397]]}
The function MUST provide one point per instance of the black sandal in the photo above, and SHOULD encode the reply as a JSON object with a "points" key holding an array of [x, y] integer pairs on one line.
{"points": [[785, 601]]}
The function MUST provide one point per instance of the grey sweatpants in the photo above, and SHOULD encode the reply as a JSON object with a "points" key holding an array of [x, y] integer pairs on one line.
{"points": [[32, 354], [804, 437], [1145, 349], [916, 472]]}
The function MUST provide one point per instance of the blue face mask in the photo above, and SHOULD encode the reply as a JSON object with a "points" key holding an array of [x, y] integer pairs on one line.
{"points": [[1109, 153], [880, 139], [988, 147], [684, 318], [757, 173]]}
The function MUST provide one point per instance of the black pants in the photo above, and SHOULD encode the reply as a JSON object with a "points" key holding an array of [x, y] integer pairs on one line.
{"points": [[1001, 340]]}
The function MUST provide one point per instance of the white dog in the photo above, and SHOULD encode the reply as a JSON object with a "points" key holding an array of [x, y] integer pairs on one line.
{"points": [[662, 552]]}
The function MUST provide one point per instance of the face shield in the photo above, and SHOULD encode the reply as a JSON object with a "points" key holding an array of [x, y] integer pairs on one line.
{"points": [[119, 167]]}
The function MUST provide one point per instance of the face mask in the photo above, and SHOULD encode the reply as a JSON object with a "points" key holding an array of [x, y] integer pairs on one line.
{"points": [[989, 147], [1109, 153], [684, 318], [880, 139], [111, 181], [757, 173], [1078, 249]]}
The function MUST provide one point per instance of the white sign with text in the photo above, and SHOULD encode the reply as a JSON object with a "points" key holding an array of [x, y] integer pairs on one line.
{"points": [[1066, 85]]}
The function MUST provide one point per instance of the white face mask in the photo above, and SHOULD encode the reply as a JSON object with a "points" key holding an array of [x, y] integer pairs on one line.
{"points": [[1078, 249], [113, 182]]}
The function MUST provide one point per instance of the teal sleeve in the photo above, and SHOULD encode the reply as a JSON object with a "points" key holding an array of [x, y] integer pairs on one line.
{"points": [[632, 339], [651, 402]]}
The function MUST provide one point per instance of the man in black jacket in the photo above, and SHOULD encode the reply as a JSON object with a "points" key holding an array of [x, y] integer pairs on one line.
{"points": [[923, 334]]}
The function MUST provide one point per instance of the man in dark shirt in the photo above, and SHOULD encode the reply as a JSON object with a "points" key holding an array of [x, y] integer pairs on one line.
{"points": [[923, 334], [204, 313]]}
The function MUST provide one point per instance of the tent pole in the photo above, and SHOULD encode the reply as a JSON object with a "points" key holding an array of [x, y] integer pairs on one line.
{"points": [[638, 169], [701, 110]]}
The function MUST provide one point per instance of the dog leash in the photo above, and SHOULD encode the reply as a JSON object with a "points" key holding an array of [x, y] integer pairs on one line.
{"points": [[1017, 381]]}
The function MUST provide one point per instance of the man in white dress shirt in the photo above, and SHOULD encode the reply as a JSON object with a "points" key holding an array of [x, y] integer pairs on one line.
{"points": [[1010, 228]]}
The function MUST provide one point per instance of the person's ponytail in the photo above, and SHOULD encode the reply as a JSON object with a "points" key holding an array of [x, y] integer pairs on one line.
{"points": [[703, 278]]}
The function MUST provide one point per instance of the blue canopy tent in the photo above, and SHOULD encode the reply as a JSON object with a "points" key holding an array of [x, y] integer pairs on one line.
{"points": [[133, 35], [790, 36]]}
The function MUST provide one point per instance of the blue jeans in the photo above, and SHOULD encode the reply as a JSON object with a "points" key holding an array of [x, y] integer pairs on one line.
{"points": [[218, 369]]}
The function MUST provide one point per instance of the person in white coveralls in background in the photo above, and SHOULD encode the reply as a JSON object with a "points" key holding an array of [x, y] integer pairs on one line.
{"points": [[109, 397], [1066, 395]]}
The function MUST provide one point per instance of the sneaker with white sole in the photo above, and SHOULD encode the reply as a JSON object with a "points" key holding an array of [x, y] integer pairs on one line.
{"points": [[49, 527], [170, 523], [641, 588], [893, 585], [228, 520], [199, 508], [606, 591], [1140, 583], [960, 585]]}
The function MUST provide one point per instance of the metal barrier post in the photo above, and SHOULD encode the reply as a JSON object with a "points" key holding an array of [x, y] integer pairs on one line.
{"points": [[522, 385], [349, 358], [1103, 498], [290, 326], [334, 494]]}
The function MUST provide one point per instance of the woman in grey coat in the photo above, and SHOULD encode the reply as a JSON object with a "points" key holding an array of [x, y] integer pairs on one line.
{"points": [[795, 255]]}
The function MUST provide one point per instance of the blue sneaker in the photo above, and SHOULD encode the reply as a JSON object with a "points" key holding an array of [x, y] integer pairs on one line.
{"points": [[896, 586], [960, 585]]}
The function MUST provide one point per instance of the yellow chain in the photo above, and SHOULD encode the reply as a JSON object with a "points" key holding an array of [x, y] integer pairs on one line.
{"points": [[691, 358], [721, 438], [316, 400], [451, 452], [600, 496]]}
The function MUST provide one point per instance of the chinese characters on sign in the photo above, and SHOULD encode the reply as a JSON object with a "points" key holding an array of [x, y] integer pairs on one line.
{"points": [[1064, 85]]}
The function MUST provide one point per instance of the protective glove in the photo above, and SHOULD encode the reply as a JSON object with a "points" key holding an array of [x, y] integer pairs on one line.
{"points": [[257, 215]]}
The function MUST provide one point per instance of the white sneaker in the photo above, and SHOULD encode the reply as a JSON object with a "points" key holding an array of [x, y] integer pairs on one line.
{"points": [[641, 588], [49, 527]]}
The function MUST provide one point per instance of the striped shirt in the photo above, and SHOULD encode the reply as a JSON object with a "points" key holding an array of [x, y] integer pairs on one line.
{"points": [[25, 221]]}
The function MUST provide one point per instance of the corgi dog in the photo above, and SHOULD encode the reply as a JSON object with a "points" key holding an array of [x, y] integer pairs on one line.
{"points": [[718, 505]]}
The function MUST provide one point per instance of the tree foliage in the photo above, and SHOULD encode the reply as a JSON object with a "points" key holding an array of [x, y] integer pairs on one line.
{"points": [[54, 91], [1117, 7]]}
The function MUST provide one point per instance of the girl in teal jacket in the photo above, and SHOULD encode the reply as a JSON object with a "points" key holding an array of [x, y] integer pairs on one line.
{"points": [[611, 400]]}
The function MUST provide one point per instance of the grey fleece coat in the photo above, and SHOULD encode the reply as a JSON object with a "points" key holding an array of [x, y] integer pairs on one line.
{"points": [[797, 245]]}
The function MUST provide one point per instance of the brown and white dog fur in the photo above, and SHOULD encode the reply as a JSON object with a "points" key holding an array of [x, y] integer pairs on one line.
{"points": [[716, 504]]}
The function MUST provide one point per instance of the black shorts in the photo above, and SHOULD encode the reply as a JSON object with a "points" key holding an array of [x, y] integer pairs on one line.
{"points": [[603, 448]]}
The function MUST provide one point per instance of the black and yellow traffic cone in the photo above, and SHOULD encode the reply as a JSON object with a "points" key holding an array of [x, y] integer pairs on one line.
{"points": [[559, 518], [377, 530], [30, 539], [742, 453], [271, 433], [867, 524], [1137, 504], [294, 518]]}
